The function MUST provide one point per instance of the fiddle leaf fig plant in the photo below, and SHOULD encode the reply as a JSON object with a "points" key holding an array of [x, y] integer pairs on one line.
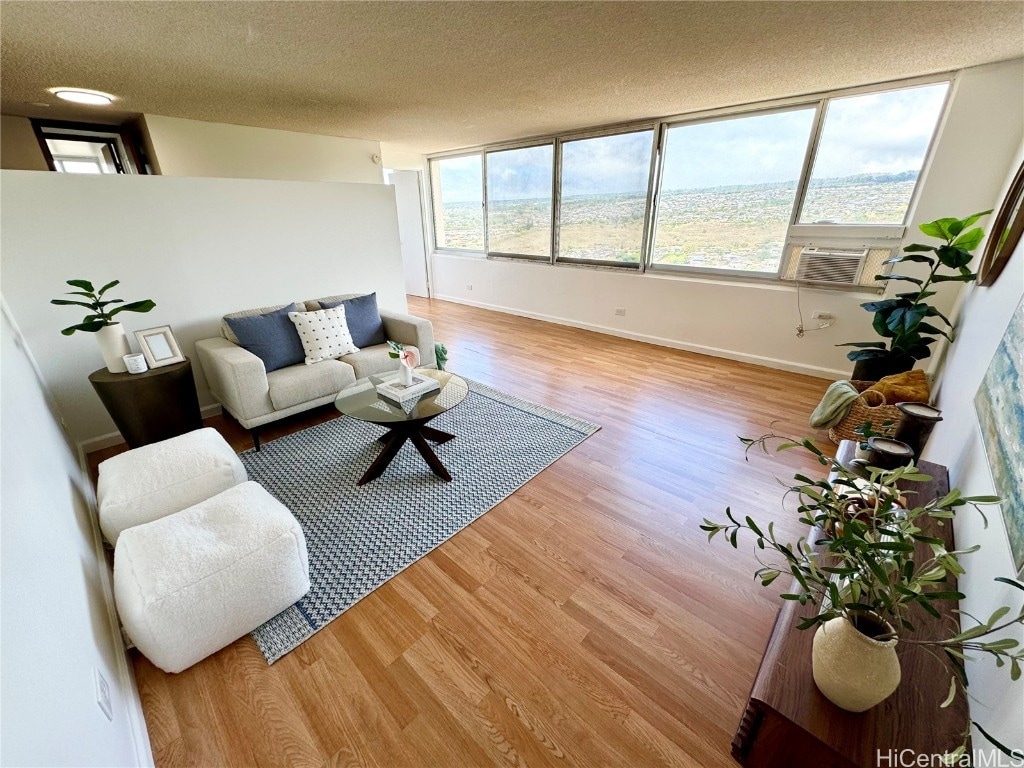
{"points": [[101, 311], [862, 559], [907, 324]]}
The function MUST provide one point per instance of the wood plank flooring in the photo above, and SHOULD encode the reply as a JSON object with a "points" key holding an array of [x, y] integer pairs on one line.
{"points": [[584, 621]]}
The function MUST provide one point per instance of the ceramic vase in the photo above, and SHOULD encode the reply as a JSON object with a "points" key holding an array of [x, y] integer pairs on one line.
{"points": [[404, 374], [113, 346], [855, 672]]}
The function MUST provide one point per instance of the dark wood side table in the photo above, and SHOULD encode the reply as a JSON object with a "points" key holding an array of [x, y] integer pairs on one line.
{"points": [[788, 723], [151, 406]]}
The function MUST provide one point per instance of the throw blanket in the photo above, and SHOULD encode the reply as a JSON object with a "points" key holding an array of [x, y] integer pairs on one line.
{"points": [[834, 405], [909, 387]]}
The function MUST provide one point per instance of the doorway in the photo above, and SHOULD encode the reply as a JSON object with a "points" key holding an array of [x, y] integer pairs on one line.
{"points": [[410, 230]]}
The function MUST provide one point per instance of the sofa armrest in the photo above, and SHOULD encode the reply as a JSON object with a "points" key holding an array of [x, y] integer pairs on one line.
{"points": [[406, 329], [237, 378]]}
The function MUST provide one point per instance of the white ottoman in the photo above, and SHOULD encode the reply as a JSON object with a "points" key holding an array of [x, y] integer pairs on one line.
{"points": [[156, 480], [188, 584]]}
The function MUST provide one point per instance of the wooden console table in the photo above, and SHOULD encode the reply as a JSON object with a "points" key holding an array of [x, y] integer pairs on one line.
{"points": [[151, 406], [788, 723]]}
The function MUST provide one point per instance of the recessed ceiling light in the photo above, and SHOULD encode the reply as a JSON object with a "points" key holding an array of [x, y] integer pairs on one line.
{"points": [[83, 96]]}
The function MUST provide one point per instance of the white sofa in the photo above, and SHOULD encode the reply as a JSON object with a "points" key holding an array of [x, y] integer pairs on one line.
{"points": [[241, 384]]}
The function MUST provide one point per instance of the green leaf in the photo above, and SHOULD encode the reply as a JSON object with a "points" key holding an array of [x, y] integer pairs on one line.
{"points": [[900, 277], [1011, 582], [937, 228], [136, 306], [911, 257], [90, 327], [953, 257], [951, 695], [872, 344], [85, 285], [109, 285], [970, 239], [965, 223], [918, 248], [1016, 754], [68, 302], [954, 278]]}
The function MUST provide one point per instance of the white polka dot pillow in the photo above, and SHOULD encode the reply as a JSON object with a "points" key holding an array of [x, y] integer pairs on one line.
{"points": [[324, 334]]}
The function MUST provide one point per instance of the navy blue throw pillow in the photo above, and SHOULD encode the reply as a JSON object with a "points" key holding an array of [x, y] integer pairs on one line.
{"points": [[363, 319], [271, 337]]}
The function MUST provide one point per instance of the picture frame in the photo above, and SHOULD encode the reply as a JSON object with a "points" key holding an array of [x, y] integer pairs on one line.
{"points": [[159, 346], [1006, 232]]}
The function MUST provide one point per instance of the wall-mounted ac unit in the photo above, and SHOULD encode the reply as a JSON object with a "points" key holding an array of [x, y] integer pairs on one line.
{"points": [[840, 266]]}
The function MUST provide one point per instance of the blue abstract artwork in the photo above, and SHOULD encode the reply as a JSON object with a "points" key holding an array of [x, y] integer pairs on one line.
{"points": [[1000, 404]]}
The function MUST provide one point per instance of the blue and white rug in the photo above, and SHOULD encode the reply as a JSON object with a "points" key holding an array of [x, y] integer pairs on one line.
{"points": [[359, 537]]}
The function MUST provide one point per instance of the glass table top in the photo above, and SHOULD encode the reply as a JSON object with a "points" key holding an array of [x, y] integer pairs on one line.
{"points": [[361, 400]]}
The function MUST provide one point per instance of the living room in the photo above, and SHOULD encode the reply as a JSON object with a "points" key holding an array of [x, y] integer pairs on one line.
{"points": [[605, 272]]}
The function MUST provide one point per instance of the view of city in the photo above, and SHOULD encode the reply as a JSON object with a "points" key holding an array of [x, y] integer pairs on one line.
{"points": [[729, 227]]}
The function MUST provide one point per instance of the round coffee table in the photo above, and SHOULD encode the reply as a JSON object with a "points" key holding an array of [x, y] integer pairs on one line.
{"points": [[406, 422]]}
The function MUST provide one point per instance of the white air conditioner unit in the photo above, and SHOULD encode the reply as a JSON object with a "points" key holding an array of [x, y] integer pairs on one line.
{"points": [[841, 266]]}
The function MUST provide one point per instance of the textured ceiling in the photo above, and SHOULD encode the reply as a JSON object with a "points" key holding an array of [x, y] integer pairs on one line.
{"points": [[440, 75]]}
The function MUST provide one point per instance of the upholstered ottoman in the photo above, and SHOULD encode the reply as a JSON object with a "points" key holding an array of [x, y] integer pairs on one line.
{"points": [[156, 480], [188, 584]]}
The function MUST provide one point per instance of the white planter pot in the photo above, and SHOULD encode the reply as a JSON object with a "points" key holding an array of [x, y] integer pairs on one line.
{"points": [[113, 346], [852, 670]]}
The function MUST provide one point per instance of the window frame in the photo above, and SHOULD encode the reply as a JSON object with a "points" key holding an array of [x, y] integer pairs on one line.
{"points": [[796, 232], [433, 208], [486, 201], [122, 138]]}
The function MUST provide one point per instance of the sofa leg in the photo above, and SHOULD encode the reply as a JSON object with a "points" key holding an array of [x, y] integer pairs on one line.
{"points": [[255, 438]]}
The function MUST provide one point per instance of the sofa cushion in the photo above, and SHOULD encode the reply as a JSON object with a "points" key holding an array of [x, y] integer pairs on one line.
{"points": [[270, 336], [303, 383], [373, 360], [324, 334], [363, 319]]}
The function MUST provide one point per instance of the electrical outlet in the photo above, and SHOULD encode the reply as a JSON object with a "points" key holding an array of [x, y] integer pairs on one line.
{"points": [[822, 316], [469, 286], [103, 694], [620, 311]]}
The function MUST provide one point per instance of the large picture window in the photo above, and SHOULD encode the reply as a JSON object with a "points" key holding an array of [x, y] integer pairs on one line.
{"points": [[728, 189], [519, 201], [458, 192], [744, 191], [604, 197], [871, 152]]}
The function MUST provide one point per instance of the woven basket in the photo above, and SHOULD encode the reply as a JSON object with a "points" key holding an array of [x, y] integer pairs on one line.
{"points": [[871, 407]]}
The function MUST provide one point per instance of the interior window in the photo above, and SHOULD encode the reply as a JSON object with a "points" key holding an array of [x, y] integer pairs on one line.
{"points": [[519, 201], [870, 155], [728, 189], [457, 185], [604, 197]]}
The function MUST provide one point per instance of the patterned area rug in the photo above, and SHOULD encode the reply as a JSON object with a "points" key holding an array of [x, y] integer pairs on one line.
{"points": [[358, 538]]}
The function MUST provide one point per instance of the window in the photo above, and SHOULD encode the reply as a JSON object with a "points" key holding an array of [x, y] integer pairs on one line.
{"points": [[604, 197], [871, 151], [762, 191], [457, 184], [89, 148], [727, 191], [519, 201]]}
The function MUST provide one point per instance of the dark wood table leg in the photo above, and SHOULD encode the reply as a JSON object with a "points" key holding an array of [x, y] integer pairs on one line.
{"points": [[395, 442], [436, 435], [428, 454]]}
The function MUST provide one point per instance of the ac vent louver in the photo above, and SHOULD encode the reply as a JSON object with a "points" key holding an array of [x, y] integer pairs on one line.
{"points": [[840, 266]]}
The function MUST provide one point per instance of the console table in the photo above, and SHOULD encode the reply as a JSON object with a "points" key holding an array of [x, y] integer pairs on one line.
{"points": [[151, 406], [788, 723]]}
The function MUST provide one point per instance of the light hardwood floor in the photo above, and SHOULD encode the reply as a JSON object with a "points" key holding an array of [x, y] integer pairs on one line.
{"points": [[584, 621]]}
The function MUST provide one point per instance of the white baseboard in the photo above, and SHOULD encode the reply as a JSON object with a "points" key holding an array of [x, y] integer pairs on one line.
{"points": [[114, 438], [743, 357]]}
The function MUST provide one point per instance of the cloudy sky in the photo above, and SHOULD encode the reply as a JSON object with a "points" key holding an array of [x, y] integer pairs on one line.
{"points": [[874, 133]]}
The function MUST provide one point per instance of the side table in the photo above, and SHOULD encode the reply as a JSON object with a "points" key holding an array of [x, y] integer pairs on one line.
{"points": [[151, 406]]}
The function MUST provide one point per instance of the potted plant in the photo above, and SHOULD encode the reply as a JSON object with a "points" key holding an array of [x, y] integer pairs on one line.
{"points": [[100, 320], [859, 574], [905, 322]]}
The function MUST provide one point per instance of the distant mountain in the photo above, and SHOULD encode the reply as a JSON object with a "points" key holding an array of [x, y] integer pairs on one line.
{"points": [[866, 178]]}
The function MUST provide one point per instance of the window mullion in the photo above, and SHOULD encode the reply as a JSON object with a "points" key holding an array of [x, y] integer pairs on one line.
{"points": [[653, 187], [483, 201], [556, 198], [808, 166]]}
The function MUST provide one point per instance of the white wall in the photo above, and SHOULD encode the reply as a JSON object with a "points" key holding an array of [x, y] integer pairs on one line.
{"points": [[196, 148], [401, 157], [748, 321], [19, 149], [957, 443], [57, 620], [200, 248]]}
